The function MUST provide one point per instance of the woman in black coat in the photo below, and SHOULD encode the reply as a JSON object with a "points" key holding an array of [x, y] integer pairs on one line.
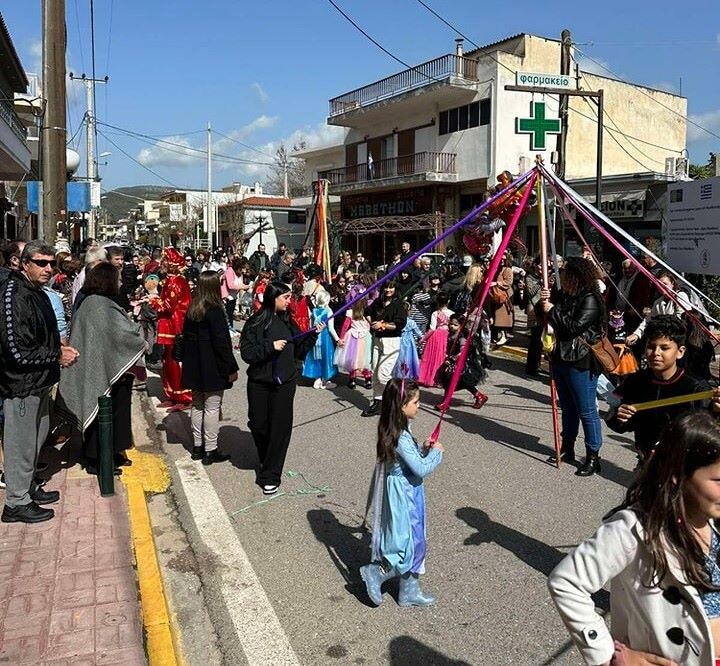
{"points": [[208, 365], [270, 350]]}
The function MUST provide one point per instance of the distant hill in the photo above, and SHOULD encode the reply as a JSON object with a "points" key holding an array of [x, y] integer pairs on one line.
{"points": [[120, 200]]}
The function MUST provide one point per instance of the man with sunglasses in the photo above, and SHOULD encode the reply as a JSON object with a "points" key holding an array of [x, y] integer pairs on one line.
{"points": [[31, 359]]}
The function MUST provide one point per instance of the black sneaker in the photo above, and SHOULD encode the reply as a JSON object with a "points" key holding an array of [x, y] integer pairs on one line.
{"points": [[41, 496], [213, 457], [198, 453], [28, 513], [368, 383], [373, 409], [352, 384]]}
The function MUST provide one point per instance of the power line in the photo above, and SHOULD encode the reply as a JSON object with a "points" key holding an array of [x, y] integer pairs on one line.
{"points": [[77, 23], [107, 58], [244, 145], [78, 130], [455, 29], [644, 44], [148, 169], [657, 101], [140, 135]]}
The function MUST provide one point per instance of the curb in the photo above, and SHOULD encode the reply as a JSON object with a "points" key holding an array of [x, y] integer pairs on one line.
{"points": [[148, 474], [517, 352]]}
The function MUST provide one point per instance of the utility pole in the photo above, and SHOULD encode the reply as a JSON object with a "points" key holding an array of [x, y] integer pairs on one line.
{"points": [[209, 213], [54, 132], [91, 163], [564, 103]]}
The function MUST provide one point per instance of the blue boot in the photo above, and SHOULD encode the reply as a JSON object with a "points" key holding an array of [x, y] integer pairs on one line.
{"points": [[374, 576], [411, 594]]}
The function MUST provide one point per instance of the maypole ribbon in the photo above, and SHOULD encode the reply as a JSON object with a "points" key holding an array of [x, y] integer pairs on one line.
{"points": [[489, 278], [653, 280], [518, 182], [675, 400], [582, 206]]}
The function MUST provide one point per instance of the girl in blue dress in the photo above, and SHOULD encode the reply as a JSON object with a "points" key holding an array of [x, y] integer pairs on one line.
{"points": [[398, 540], [407, 365], [319, 364]]}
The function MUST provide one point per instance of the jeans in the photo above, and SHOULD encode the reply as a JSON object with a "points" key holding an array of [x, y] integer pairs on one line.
{"points": [[576, 391]]}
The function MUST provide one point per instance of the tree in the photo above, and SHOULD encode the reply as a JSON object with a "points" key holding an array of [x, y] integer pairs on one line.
{"points": [[699, 171], [275, 181]]}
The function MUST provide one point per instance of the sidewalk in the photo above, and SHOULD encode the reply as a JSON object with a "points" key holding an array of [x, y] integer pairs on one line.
{"points": [[69, 588]]}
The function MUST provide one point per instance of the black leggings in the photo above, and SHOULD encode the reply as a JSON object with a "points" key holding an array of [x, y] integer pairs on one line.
{"points": [[270, 410], [121, 394]]}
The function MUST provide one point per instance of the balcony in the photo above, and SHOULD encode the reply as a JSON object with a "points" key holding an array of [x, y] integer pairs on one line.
{"points": [[14, 151], [420, 167], [448, 71]]}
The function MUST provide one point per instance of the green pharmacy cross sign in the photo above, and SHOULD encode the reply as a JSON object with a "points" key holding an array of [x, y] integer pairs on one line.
{"points": [[537, 126]]}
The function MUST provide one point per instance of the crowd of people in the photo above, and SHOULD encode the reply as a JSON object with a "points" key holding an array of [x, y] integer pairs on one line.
{"points": [[108, 314]]}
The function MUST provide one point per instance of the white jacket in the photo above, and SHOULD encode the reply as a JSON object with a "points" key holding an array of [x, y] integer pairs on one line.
{"points": [[651, 619]]}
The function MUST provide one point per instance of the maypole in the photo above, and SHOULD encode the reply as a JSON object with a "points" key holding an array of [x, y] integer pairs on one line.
{"points": [[542, 232], [322, 237]]}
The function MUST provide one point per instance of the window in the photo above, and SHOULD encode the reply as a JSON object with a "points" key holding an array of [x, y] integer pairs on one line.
{"points": [[465, 117], [296, 217]]}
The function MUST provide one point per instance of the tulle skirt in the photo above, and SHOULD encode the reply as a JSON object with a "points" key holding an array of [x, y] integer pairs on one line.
{"points": [[355, 354], [433, 355]]}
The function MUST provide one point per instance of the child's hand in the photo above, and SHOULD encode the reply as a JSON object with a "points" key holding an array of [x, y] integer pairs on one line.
{"points": [[625, 413], [341, 342], [430, 444]]}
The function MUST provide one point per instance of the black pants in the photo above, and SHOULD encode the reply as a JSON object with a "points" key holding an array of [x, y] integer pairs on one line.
{"points": [[230, 309], [121, 394], [534, 352], [270, 410]]}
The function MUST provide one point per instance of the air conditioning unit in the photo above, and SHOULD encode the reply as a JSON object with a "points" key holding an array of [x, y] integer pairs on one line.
{"points": [[677, 168]]}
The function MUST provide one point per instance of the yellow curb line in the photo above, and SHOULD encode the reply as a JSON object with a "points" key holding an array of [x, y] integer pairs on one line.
{"points": [[148, 473]]}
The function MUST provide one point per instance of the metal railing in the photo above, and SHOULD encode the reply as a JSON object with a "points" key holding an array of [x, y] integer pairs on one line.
{"points": [[439, 69], [7, 113], [392, 167]]}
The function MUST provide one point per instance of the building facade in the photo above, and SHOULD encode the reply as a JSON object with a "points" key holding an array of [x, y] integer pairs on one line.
{"points": [[424, 145]]}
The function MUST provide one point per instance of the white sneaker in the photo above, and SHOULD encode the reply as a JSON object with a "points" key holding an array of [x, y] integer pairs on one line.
{"points": [[318, 383], [501, 340], [269, 490]]}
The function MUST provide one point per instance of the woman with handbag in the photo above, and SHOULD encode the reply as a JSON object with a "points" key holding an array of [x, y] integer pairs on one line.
{"points": [[578, 320], [501, 301], [208, 365]]}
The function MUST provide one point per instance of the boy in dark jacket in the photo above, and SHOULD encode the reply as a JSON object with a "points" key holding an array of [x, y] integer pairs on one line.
{"points": [[662, 379]]}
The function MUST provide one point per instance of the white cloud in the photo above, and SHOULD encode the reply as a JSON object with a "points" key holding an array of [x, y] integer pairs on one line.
{"points": [[709, 119], [182, 154], [260, 92], [173, 156]]}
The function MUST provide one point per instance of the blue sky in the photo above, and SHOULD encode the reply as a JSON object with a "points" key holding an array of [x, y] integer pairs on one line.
{"points": [[263, 73]]}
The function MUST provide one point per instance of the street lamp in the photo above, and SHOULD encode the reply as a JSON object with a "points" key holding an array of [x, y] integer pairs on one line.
{"points": [[260, 217]]}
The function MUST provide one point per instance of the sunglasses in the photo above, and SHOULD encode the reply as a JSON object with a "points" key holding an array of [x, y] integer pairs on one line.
{"points": [[42, 263]]}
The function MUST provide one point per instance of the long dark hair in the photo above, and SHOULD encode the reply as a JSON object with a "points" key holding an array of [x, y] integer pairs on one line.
{"points": [[397, 394], [264, 315], [206, 296], [690, 442], [585, 274]]}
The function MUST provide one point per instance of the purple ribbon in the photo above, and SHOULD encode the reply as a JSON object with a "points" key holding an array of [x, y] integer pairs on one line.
{"points": [[518, 182]]}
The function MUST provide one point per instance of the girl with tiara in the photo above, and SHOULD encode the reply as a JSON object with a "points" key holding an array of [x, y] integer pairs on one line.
{"points": [[319, 363]]}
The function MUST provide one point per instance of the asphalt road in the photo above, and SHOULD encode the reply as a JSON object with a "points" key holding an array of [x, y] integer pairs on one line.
{"points": [[499, 519]]}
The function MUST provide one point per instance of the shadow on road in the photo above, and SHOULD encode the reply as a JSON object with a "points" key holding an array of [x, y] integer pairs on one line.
{"points": [[525, 392], [406, 650], [533, 552], [347, 545]]}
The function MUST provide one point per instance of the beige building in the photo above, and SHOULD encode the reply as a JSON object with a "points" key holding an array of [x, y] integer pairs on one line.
{"points": [[423, 145]]}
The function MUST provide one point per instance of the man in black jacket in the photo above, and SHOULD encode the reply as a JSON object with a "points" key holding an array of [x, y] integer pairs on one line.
{"points": [[31, 360], [259, 260]]}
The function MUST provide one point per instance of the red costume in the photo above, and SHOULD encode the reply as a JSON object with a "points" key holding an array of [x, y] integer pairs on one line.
{"points": [[171, 306]]}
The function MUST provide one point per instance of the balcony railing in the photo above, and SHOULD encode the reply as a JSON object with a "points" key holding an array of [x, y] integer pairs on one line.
{"points": [[429, 72], [7, 113], [391, 168]]}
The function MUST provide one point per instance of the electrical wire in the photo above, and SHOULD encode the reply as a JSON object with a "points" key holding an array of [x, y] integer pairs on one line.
{"points": [[78, 130], [110, 31], [77, 23], [455, 29], [244, 145], [148, 169], [657, 101], [200, 151]]}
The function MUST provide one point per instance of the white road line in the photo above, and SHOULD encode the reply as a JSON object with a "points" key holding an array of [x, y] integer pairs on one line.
{"points": [[258, 629]]}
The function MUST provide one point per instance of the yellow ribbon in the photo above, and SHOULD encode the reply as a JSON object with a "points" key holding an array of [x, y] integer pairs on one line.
{"points": [[676, 400]]}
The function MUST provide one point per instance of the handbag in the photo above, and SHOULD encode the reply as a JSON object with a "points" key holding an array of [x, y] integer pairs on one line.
{"points": [[178, 348], [498, 295], [628, 363], [605, 354]]}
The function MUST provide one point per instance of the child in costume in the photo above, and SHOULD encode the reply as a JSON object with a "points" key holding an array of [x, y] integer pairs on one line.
{"points": [[435, 341], [398, 539], [354, 351], [473, 372], [319, 363], [408, 363]]}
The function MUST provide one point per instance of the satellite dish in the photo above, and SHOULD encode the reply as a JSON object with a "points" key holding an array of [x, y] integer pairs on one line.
{"points": [[73, 160]]}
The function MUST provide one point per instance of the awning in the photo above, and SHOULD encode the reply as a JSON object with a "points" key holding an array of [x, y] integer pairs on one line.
{"points": [[435, 222]]}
